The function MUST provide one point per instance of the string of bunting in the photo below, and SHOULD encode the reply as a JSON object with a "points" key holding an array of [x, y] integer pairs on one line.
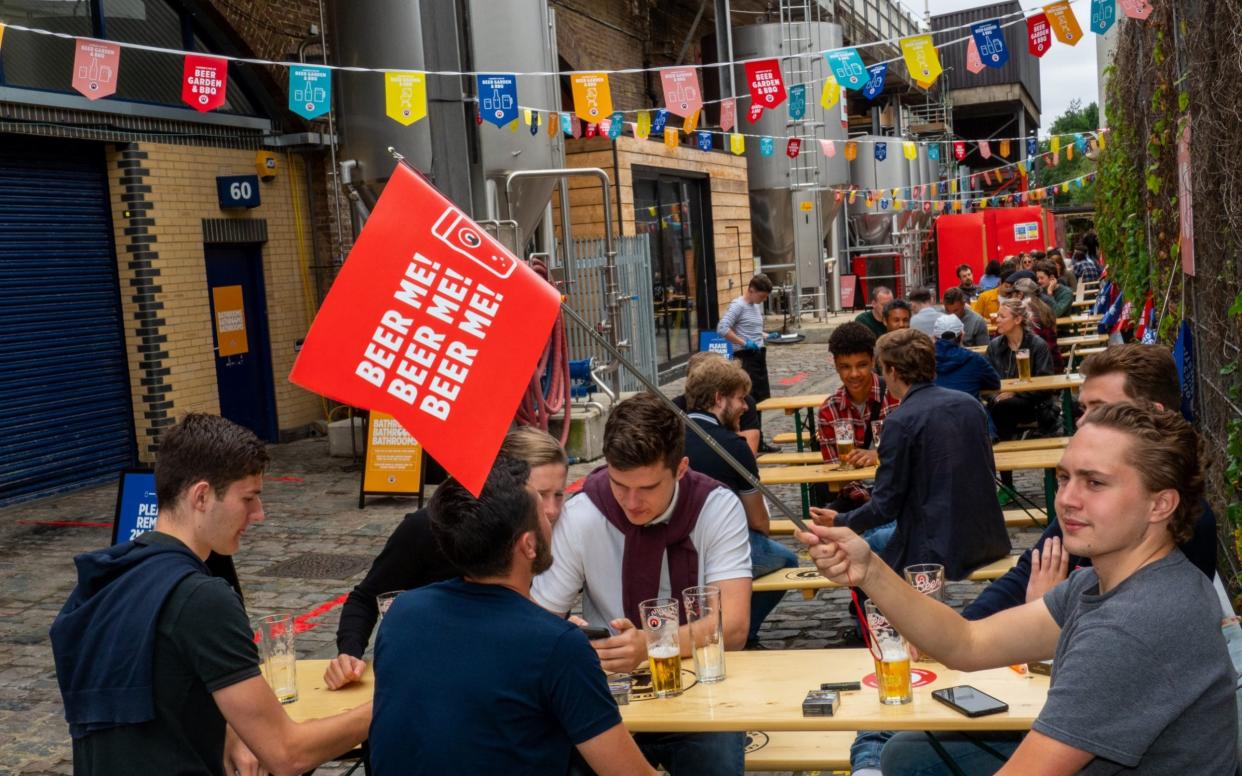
{"points": [[205, 77]]}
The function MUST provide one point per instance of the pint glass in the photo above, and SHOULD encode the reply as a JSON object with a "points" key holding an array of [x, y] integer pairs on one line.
{"points": [[279, 656], [843, 430], [660, 623], [892, 668], [706, 624], [1024, 365]]}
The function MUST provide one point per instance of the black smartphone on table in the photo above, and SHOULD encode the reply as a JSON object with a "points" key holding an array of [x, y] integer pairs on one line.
{"points": [[970, 701], [594, 632]]}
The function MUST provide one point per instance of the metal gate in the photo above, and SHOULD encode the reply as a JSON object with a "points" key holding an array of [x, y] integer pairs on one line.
{"points": [[67, 419], [585, 286]]}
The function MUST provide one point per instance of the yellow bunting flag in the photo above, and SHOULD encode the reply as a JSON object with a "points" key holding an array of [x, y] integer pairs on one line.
{"points": [[1, 34], [1004, 148], [1069, 151], [896, 193], [526, 117], [1100, 139], [1054, 143], [922, 59], [953, 186], [1064, 24], [957, 206], [670, 137], [405, 96], [642, 128], [1022, 168], [592, 97], [924, 85], [513, 126], [691, 123], [910, 150], [870, 199], [831, 94], [851, 151], [897, 204], [737, 144], [1065, 187]]}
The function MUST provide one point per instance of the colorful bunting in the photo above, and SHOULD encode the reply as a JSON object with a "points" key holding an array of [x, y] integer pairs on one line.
{"points": [[1, 34], [797, 102], [671, 137], [922, 59], [828, 147], [616, 123], [204, 82], [881, 151], [310, 90], [985, 149], [96, 65], [909, 150], [405, 96], [592, 95], [642, 128], [704, 140], [973, 62], [591, 129], [1064, 23], [767, 146], [990, 39], [831, 93], [933, 152], [848, 68], [1032, 146], [1004, 148], [959, 150], [767, 88], [554, 123], [737, 144], [793, 147], [691, 123], [1103, 14], [498, 101], [661, 119], [728, 114], [534, 124], [1136, 9], [682, 95], [1039, 34], [875, 85], [851, 150]]}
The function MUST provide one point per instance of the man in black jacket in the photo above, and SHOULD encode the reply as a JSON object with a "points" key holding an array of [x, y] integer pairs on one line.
{"points": [[936, 475]]}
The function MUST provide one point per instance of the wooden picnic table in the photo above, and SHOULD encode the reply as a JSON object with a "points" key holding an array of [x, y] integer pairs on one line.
{"points": [[809, 581], [1014, 518], [764, 690], [1057, 382], [791, 404], [812, 457], [1063, 343]]}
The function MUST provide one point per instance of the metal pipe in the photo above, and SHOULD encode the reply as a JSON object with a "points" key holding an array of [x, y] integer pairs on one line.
{"points": [[788, 511], [611, 290]]}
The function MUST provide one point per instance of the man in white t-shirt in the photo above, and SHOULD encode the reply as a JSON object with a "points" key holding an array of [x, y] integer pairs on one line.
{"points": [[646, 526]]}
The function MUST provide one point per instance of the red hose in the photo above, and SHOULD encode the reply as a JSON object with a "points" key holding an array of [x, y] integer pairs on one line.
{"points": [[538, 406]]}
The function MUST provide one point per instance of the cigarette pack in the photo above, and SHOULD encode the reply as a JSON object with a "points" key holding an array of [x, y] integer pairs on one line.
{"points": [[820, 703]]}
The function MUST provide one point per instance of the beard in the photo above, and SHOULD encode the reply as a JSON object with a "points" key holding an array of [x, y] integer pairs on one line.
{"points": [[731, 420], [543, 554]]}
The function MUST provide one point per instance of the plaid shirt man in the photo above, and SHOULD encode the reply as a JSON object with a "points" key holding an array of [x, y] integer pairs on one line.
{"points": [[839, 407], [1086, 270]]}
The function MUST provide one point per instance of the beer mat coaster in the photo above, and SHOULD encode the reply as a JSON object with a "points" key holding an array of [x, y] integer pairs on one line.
{"points": [[803, 574], [919, 677], [755, 740], [641, 690]]}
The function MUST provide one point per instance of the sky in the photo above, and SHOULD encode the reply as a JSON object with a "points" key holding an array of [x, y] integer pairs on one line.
{"points": [[1066, 72]]}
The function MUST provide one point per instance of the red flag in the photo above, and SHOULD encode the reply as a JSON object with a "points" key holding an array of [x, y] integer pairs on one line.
{"points": [[95, 68], [793, 147], [1136, 9], [1039, 34], [204, 81], [433, 322], [728, 114], [753, 114], [767, 88], [959, 150]]}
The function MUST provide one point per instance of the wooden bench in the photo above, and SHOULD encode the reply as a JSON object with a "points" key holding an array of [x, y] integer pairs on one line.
{"points": [[1014, 518], [808, 580], [807, 457], [789, 750], [787, 438]]}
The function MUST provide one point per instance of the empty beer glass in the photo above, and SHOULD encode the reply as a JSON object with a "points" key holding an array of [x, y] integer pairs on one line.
{"points": [[706, 624], [661, 618], [279, 655]]}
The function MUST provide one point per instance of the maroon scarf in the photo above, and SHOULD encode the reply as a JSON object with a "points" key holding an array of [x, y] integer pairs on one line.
{"points": [[646, 546]]}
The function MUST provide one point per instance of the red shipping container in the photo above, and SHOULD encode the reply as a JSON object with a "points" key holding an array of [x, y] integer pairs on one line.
{"points": [[961, 238]]}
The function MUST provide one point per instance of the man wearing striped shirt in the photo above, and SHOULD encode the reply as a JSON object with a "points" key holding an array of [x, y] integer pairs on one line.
{"points": [[742, 325]]}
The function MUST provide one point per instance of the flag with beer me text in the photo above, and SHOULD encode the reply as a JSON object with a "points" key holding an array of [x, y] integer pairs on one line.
{"points": [[434, 322]]}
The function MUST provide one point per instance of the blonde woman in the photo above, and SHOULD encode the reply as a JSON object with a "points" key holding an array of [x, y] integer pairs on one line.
{"points": [[1009, 409]]}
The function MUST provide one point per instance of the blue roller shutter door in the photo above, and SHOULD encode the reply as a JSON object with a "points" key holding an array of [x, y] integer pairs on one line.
{"points": [[66, 420]]}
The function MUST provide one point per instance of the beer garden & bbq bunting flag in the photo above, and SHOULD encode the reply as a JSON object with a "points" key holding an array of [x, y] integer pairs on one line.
{"points": [[434, 322], [767, 87], [204, 82]]}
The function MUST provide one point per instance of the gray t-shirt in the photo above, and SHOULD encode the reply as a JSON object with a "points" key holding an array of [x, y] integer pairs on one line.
{"points": [[745, 319], [1142, 678]]}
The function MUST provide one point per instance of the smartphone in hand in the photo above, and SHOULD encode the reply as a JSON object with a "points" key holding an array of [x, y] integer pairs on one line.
{"points": [[594, 632]]}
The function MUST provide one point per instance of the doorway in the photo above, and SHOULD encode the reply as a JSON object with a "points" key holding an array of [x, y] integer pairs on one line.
{"points": [[674, 212], [239, 331]]}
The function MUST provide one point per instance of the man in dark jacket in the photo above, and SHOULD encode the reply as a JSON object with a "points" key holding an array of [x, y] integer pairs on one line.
{"points": [[936, 476], [956, 367]]}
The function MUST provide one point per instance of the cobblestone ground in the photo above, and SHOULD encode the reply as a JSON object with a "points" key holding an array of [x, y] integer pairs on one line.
{"points": [[311, 507]]}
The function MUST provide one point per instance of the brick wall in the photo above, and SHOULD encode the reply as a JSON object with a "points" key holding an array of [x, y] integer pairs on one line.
{"points": [[727, 182], [160, 196]]}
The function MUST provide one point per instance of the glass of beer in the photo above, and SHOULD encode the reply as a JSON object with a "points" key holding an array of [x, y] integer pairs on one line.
{"points": [[843, 430], [661, 620], [279, 656], [706, 624], [876, 427], [1024, 366], [892, 667], [927, 578]]}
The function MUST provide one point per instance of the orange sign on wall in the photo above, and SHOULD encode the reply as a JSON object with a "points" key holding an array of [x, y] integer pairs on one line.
{"points": [[230, 320], [393, 457]]}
